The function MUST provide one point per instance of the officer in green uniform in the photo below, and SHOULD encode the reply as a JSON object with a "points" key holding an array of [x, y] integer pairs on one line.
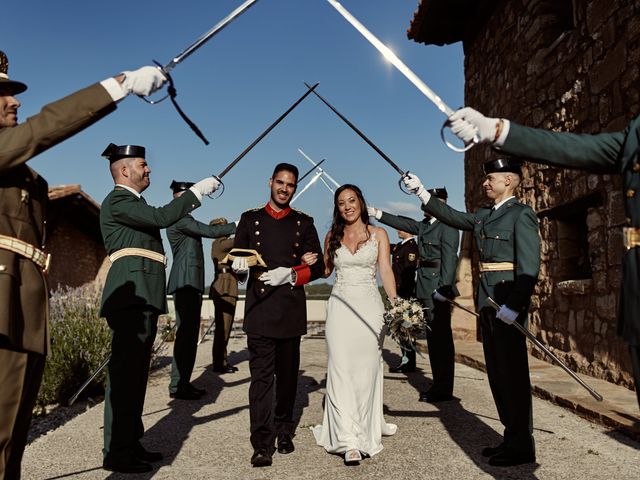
{"points": [[24, 295], [438, 247], [604, 153], [508, 244], [186, 284], [224, 294], [134, 295]]}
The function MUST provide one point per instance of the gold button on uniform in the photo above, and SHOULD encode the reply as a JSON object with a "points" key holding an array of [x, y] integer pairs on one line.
{"points": [[631, 193], [257, 244], [256, 223], [636, 167], [262, 290], [257, 232]]}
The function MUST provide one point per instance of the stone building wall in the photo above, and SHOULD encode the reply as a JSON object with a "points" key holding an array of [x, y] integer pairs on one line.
{"points": [[567, 66]]}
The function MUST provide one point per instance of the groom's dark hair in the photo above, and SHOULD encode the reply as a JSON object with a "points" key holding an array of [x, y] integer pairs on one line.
{"points": [[285, 167]]}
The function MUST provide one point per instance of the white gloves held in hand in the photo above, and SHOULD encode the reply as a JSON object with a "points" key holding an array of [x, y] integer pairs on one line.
{"points": [[277, 276], [374, 212], [240, 266], [414, 185], [143, 81], [507, 315], [468, 124], [206, 186]]}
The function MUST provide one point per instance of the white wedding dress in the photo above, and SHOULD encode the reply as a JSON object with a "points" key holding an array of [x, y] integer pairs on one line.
{"points": [[353, 403]]}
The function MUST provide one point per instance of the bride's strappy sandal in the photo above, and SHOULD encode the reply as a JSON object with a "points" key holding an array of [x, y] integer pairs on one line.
{"points": [[352, 457]]}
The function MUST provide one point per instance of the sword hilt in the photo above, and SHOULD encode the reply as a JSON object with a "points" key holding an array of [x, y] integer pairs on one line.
{"points": [[164, 72], [467, 146]]}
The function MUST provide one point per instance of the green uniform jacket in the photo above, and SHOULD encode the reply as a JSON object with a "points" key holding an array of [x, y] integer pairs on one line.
{"points": [[23, 200], [437, 243], [224, 284], [616, 153], [126, 221], [185, 238], [510, 234]]}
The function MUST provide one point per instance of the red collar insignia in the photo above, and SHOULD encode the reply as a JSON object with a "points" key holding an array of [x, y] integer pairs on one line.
{"points": [[277, 215]]}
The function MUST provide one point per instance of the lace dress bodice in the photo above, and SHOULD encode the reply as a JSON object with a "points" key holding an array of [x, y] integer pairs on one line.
{"points": [[359, 268]]}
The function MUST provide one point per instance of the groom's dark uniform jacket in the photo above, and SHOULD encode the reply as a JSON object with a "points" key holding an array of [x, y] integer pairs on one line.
{"points": [[281, 240]]}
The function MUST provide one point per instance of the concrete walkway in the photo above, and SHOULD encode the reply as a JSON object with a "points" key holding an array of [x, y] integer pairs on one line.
{"points": [[209, 439]]}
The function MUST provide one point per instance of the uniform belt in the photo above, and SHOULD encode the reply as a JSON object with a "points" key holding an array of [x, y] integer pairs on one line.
{"points": [[428, 263], [496, 267], [138, 252], [26, 250], [631, 237]]}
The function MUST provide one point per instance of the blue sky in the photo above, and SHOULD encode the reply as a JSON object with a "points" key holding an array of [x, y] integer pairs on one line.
{"points": [[234, 87]]}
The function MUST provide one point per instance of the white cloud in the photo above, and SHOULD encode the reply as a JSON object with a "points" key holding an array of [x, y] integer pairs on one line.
{"points": [[403, 208]]}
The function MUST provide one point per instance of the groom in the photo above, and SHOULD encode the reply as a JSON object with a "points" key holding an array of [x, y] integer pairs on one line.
{"points": [[275, 315]]}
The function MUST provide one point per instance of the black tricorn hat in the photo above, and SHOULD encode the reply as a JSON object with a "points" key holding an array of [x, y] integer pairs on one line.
{"points": [[439, 192], [11, 86], [115, 152], [180, 186], [503, 165]]}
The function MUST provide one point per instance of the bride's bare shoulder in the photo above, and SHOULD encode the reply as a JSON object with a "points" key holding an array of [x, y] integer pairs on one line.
{"points": [[378, 232]]}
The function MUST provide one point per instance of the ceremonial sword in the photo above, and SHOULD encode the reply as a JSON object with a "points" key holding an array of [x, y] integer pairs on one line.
{"points": [[311, 170], [262, 135], [525, 331], [391, 57], [324, 173], [166, 69], [393, 164]]}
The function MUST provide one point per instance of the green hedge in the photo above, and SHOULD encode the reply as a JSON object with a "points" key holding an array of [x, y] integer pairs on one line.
{"points": [[80, 341]]}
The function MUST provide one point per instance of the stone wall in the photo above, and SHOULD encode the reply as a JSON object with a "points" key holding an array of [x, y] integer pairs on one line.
{"points": [[541, 64]]}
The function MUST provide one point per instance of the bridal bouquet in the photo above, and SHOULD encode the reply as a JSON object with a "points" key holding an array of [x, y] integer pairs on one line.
{"points": [[405, 321]]}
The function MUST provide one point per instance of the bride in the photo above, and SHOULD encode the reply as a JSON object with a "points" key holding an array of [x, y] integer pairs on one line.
{"points": [[352, 423]]}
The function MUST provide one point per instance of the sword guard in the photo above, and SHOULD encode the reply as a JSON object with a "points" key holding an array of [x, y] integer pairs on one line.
{"points": [[220, 189], [169, 82], [402, 186], [453, 147]]}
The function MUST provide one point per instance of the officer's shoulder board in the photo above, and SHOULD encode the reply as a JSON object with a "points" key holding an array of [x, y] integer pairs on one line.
{"points": [[300, 212], [255, 209]]}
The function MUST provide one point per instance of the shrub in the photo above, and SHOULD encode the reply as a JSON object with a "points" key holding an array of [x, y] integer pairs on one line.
{"points": [[80, 342]]}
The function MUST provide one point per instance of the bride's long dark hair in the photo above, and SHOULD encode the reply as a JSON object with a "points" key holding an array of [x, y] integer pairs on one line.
{"points": [[337, 227]]}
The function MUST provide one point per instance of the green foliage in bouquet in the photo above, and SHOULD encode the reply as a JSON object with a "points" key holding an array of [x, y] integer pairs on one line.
{"points": [[80, 341], [406, 322]]}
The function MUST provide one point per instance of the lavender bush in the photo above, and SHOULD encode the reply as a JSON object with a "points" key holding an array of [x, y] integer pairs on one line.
{"points": [[80, 341]]}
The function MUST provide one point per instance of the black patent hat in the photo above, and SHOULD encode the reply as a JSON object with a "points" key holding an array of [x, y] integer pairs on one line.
{"points": [[439, 192], [180, 186], [115, 152], [507, 165], [6, 84]]}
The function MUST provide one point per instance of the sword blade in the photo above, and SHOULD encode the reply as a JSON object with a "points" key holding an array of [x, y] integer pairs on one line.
{"points": [[311, 170], [208, 35], [362, 135], [525, 331], [393, 59], [263, 134], [331, 179], [306, 187]]}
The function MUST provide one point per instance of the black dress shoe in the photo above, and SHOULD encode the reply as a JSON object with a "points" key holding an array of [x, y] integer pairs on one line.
{"points": [[510, 458], [225, 369], [285, 444], [261, 458], [184, 394], [434, 397], [131, 465], [194, 389], [402, 369], [145, 455], [491, 451]]}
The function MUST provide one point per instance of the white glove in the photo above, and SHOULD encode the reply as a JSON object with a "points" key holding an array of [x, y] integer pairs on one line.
{"points": [[414, 185], [438, 296], [240, 266], [507, 315], [277, 276], [374, 212], [468, 124], [206, 186], [143, 81]]}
